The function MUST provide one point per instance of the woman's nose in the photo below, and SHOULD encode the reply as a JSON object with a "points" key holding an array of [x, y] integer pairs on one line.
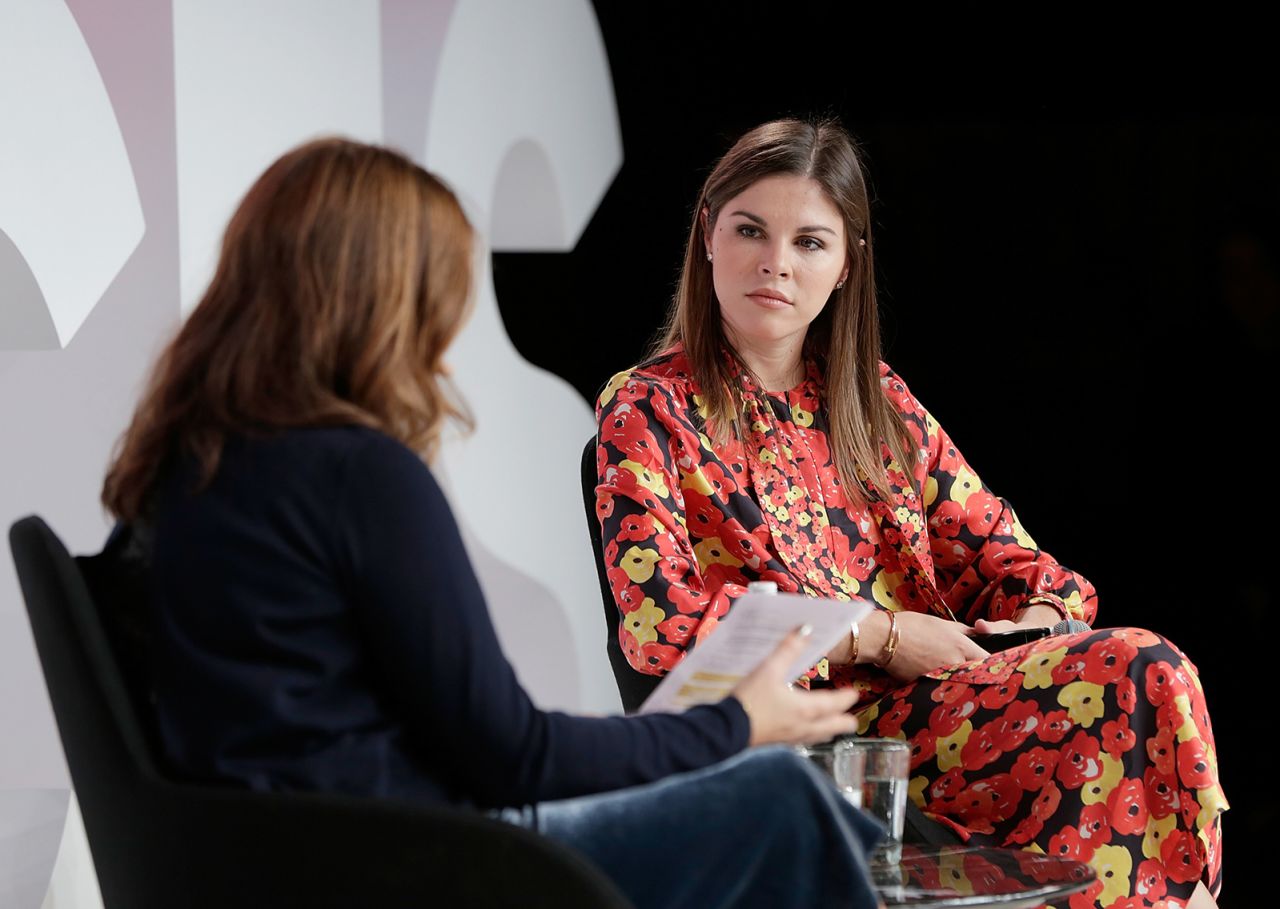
{"points": [[773, 261]]}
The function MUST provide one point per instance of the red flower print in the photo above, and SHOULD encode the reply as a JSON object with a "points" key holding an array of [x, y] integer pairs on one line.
{"points": [[1126, 695], [627, 430], [1149, 882], [659, 656], [1034, 767], [690, 602], [1019, 720], [702, 515], [1054, 727], [1080, 762], [677, 629], [1069, 669], [718, 576], [1108, 660], [947, 718], [1027, 830], [1086, 899], [948, 785], [891, 722], [636, 527], [743, 546], [981, 749], [673, 569], [983, 508], [1117, 737], [1047, 801], [994, 697], [1160, 751], [1067, 843], [951, 693], [629, 598], [997, 558], [1138, 637], [1193, 765], [988, 801], [1162, 793], [1181, 859], [619, 580], [924, 745], [1161, 683], [630, 647], [947, 519], [832, 491], [604, 506], [1095, 827], [721, 481], [1128, 902], [861, 561]]}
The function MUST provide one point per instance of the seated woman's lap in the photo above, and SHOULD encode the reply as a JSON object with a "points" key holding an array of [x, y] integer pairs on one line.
{"points": [[1095, 746]]}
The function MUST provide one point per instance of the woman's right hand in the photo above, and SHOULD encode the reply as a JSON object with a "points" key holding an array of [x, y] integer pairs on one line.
{"points": [[793, 716], [925, 643]]}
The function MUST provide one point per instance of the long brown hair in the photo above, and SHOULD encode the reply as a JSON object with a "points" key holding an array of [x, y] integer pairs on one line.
{"points": [[844, 338], [344, 274]]}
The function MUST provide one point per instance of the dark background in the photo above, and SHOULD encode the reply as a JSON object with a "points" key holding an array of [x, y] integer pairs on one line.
{"points": [[1079, 275]]}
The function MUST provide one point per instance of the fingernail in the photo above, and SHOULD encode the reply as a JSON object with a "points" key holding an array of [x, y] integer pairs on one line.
{"points": [[805, 630]]}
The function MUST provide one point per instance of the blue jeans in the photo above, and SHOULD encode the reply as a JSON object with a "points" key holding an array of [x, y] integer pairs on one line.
{"points": [[764, 828]]}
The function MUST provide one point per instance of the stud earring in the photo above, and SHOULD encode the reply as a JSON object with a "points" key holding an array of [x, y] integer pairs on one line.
{"points": [[839, 284], [708, 257]]}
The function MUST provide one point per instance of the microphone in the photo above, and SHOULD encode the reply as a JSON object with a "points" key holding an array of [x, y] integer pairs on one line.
{"points": [[1070, 626]]}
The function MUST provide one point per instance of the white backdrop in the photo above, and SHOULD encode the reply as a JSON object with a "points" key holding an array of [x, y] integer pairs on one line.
{"points": [[128, 134]]}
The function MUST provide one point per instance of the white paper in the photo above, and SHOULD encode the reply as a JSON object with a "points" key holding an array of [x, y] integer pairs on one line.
{"points": [[750, 632]]}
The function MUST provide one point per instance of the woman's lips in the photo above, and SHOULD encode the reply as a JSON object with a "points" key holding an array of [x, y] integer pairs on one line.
{"points": [[768, 302]]}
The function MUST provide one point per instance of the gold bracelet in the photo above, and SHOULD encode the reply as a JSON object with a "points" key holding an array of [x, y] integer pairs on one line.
{"points": [[891, 643], [853, 633]]}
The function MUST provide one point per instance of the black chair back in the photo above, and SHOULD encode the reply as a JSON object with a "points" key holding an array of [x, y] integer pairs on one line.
{"points": [[157, 842], [633, 687]]}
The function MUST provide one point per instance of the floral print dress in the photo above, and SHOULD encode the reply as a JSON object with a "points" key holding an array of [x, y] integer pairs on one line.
{"points": [[1095, 745]]}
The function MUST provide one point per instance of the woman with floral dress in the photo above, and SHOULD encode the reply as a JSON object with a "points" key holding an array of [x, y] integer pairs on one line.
{"points": [[765, 439]]}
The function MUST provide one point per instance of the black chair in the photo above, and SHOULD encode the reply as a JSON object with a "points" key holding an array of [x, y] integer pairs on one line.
{"points": [[633, 687], [158, 842]]}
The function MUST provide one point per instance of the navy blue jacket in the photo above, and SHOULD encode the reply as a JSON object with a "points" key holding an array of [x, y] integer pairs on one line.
{"points": [[317, 625]]}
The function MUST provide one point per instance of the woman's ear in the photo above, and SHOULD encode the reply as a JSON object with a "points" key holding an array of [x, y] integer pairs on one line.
{"points": [[705, 215]]}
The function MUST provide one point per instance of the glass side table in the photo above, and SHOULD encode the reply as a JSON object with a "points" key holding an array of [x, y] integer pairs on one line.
{"points": [[941, 877]]}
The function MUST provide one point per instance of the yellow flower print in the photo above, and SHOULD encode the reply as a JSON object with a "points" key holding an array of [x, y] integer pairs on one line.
{"points": [[787, 453], [882, 591], [1083, 701], [1212, 803], [930, 492], [800, 416], [712, 552], [803, 519], [950, 747], [794, 493], [1037, 669], [1157, 830], [930, 427], [916, 788], [1113, 864], [966, 484], [767, 456], [782, 514], [867, 717], [1187, 730], [698, 482], [1099, 790], [1074, 604], [760, 426], [700, 404], [643, 620], [951, 873], [819, 513], [902, 514], [1024, 539], [612, 388], [638, 563], [647, 478]]}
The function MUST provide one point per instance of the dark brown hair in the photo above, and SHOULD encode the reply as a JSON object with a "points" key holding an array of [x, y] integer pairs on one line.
{"points": [[845, 337], [344, 274]]}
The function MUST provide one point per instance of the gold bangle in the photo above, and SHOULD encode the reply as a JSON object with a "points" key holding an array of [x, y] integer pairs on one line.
{"points": [[891, 643], [853, 634]]}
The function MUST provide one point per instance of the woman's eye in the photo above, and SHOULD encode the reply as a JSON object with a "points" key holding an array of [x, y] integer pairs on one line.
{"points": [[748, 230], [810, 243]]}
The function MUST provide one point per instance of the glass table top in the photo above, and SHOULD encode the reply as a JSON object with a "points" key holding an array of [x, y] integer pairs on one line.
{"points": [[935, 877]]}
